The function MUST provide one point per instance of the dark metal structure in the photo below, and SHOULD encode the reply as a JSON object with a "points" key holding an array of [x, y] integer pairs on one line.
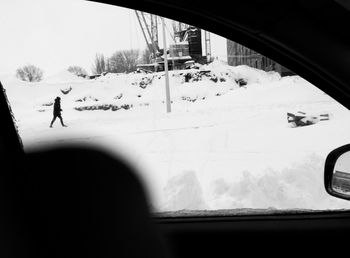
{"points": [[149, 28], [186, 49]]}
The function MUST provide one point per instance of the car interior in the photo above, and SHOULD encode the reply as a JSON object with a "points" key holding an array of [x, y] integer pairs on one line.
{"points": [[90, 211]]}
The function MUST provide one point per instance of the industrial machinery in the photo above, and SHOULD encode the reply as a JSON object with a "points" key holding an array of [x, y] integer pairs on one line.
{"points": [[185, 50]]}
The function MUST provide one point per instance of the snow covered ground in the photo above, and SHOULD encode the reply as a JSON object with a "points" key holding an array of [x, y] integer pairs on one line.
{"points": [[225, 145]]}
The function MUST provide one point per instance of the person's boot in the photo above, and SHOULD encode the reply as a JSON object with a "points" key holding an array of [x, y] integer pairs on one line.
{"points": [[62, 123]]}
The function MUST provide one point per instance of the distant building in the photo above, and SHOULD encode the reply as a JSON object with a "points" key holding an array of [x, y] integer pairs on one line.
{"points": [[238, 54]]}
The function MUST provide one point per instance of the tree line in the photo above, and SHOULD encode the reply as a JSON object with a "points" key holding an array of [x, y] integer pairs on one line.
{"points": [[122, 61]]}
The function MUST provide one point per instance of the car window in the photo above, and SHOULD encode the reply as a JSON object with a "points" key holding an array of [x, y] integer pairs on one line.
{"points": [[232, 132]]}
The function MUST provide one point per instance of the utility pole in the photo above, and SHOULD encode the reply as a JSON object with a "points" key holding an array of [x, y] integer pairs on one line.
{"points": [[207, 45], [167, 89]]}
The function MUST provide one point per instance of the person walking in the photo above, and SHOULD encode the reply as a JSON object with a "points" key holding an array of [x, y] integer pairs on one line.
{"points": [[57, 112]]}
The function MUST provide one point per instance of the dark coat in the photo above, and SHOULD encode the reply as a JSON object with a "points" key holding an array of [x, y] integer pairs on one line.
{"points": [[57, 108]]}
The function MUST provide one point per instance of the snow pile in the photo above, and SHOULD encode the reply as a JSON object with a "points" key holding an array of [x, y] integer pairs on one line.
{"points": [[248, 74], [300, 185], [8, 78], [184, 191], [125, 91], [63, 77]]}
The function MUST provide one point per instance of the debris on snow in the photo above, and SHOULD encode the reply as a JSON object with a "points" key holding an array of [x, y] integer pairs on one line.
{"points": [[104, 107], [66, 90], [86, 98], [303, 119]]}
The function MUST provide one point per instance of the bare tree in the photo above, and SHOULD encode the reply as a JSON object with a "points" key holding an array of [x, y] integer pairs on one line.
{"points": [[117, 63], [99, 65], [124, 61], [108, 65], [132, 58], [29, 73], [146, 57], [77, 70]]}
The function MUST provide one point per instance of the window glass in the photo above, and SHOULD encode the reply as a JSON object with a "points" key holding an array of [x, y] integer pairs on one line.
{"points": [[234, 132]]}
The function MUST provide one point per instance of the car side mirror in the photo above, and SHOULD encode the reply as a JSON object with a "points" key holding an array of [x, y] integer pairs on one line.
{"points": [[337, 172]]}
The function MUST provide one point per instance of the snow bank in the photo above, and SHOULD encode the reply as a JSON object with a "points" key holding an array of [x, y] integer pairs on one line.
{"points": [[112, 91], [249, 74], [63, 77], [184, 191], [298, 186], [8, 78]]}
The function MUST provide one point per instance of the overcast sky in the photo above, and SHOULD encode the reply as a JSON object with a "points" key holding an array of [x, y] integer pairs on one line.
{"points": [[54, 34]]}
